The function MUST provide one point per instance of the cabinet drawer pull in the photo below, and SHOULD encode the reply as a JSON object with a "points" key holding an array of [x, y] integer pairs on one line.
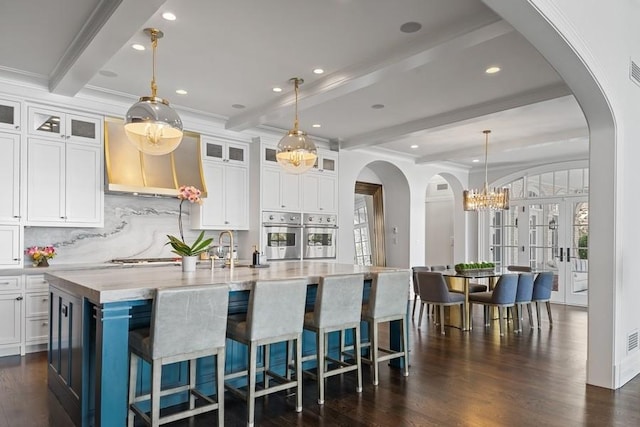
{"points": [[19, 299], [45, 323], [45, 299], [5, 283], [17, 126]]}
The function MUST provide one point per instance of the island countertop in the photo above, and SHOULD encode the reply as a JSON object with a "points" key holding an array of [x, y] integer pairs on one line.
{"points": [[105, 285]]}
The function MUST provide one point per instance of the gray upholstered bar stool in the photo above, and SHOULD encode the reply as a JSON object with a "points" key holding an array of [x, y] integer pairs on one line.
{"points": [[337, 308], [275, 314], [177, 334], [388, 301]]}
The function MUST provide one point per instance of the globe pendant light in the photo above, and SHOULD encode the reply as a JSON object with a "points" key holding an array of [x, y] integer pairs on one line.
{"points": [[486, 199], [151, 124], [296, 152]]}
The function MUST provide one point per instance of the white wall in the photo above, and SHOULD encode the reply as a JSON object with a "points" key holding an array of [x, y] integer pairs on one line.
{"points": [[439, 215], [590, 44]]}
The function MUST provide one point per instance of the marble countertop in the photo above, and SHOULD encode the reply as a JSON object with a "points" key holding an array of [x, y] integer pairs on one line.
{"points": [[108, 284]]}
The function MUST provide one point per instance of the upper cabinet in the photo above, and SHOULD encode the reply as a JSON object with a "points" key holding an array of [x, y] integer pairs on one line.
{"points": [[226, 172], [223, 151], [326, 162], [280, 190], [70, 127], [64, 169], [10, 178], [10, 252], [9, 115]]}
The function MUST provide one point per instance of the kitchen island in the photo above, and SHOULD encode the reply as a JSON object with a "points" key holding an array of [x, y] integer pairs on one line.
{"points": [[92, 311]]}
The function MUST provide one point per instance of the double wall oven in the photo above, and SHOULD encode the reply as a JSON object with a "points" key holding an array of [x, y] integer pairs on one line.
{"points": [[282, 235], [319, 236]]}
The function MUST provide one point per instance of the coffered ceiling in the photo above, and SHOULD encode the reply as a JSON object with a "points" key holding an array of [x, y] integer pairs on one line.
{"points": [[429, 87]]}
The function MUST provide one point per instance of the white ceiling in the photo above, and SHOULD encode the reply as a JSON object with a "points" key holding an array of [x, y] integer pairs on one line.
{"points": [[432, 82]]}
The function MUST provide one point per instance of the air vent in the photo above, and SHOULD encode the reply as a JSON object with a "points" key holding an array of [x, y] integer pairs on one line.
{"points": [[634, 73], [632, 341], [442, 187]]}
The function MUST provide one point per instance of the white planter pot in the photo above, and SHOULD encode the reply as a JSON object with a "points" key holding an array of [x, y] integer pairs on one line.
{"points": [[189, 263]]}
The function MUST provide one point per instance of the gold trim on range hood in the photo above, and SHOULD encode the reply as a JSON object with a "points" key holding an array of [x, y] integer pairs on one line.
{"points": [[131, 171]]}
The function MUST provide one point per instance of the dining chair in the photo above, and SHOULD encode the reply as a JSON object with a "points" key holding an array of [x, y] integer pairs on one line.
{"points": [[502, 296], [438, 268], [523, 297], [416, 289], [542, 287], [434, 291]]}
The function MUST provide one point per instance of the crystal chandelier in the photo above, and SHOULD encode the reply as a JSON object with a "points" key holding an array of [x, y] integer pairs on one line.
{"points": [[151, 124], [486, 199], [296, 152]]}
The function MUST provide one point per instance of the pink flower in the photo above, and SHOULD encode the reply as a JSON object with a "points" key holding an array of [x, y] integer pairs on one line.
{"points": [[40, 254]]}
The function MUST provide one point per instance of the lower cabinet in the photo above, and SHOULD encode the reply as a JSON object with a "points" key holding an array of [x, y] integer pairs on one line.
{"points": [[65, 349], [24, 314]]}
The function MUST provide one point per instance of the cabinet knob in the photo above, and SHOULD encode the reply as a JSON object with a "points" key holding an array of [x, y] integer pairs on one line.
{"points": [[45, 323], [17, 126], [16, 259], [19, 299], [62, 136], [16, 216], [226, 222], [45, 299], [68, 136], [283, 206]]}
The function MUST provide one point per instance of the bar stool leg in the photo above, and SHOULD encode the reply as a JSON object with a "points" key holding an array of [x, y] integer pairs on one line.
{"points": [[267, 364], [192, 383], [251, 387], [374, 351], [422, 304], [538, 314], [357, 345], [155, 392], [298, 374], [133, 376], [405, 347], [442, 319], [320, 360], [220, 358]]}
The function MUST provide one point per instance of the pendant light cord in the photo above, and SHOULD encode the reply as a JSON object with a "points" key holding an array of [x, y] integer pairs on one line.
{"points": [[154, 45], [295, 123], [486, 160]]}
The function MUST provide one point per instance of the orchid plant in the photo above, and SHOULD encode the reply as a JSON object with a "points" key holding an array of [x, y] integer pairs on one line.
{"points": [[180, 247], [40, 255]]}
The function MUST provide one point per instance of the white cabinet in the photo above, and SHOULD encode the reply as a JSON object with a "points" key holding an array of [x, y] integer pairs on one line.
{"points": [[280, 190], [9, 115], [65, 126], [36, 311], [9, 177], [227, 203], [223, 151], [326, 163], [64, 183], [319, 193], [10, 252], [11, 303]]}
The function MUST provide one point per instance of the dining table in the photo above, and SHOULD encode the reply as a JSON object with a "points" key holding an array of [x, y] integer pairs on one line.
{"points": [[460, 281]]}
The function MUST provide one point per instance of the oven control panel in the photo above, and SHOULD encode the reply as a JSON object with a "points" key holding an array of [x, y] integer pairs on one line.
{"points": [[283, 218], [320, 220]]}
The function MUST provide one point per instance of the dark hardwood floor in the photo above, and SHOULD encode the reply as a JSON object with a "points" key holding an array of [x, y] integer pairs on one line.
{"points": [[461, 379]]}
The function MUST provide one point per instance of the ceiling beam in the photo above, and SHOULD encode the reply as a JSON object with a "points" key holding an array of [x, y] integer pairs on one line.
{"points": [[359, 76], [110, 26], [538, 140], [395, 132]]}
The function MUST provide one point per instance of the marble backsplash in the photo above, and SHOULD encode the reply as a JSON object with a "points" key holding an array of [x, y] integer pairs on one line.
{"points": [[134, 227]]}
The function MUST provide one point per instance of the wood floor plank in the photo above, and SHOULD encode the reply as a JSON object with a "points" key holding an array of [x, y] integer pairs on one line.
{"points": [[471, 378]]}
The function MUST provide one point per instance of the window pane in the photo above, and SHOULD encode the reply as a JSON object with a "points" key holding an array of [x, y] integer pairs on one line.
{"points": [[533, 186], [560, 182], [517, 188], [546, 184]]}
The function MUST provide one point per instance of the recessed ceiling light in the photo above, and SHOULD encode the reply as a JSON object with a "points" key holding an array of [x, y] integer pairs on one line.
{"points": [[181, 92], [169, 16], [277, 89], [414, 146], [315, 125], [492, 70], [475, 160], [318, 71], [377, 106], [107, 73], [138, 46], [410, 27], [238, 106]]}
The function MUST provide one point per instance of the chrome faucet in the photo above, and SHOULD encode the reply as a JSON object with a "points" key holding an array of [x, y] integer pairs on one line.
{"points": [[230, 233]]}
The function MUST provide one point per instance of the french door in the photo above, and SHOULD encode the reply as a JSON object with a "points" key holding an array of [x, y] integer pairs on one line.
{"points": [[547, 235]]}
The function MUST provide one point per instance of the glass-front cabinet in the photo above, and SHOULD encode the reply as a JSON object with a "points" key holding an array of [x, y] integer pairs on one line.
{"points": [[9, 115], [70, 127]]}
